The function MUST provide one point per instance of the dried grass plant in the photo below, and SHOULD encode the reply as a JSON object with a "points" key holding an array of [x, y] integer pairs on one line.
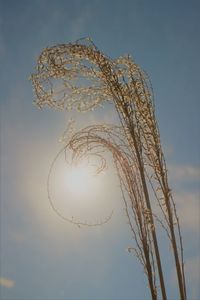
{"points": [[78, 75]]}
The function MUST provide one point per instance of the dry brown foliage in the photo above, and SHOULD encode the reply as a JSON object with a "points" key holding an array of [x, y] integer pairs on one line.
{"points": [[78, 75]]}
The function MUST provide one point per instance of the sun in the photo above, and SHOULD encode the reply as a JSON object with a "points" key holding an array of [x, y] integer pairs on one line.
{"points": [[79, 181], [79, 190]]}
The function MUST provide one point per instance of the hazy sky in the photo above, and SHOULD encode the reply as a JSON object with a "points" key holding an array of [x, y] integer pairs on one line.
{"points": [[43, 257]]}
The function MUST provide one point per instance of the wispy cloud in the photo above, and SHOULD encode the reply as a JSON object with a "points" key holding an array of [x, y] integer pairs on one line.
{"points": [[192, 269], [188, 209], [7, 283], [181, 172], [192, 274]]}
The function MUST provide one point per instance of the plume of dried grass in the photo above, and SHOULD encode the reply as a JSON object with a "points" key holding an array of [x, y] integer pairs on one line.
{"points": [[78, 75]]}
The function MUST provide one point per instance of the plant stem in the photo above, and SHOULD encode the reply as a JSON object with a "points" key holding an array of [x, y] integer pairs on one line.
{"points": [[156, 248]]}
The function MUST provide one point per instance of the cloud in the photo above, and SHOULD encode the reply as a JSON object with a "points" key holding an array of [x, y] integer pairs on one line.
{"points": [[186, 172], [192, 275], [7, 283], [192, 270], [188, 210], [188, 207]]}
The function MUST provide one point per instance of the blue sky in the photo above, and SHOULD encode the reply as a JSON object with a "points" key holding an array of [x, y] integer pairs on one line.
{"points": [[43, 257]]}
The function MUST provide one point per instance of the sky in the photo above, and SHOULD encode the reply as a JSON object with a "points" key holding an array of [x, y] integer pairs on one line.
{"points": [[43, 257]]}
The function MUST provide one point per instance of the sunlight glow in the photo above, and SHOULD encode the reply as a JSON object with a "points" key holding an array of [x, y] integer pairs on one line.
{"points": [[79, 181], [78, 189]]}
